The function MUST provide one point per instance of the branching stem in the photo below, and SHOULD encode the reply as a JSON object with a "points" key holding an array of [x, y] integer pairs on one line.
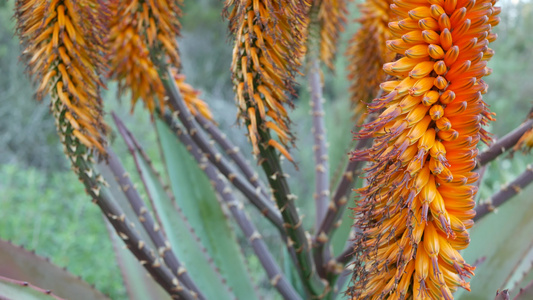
{"points": [[503, 144], [153, 230], [255, 196], [505, 194], [320, 144], [127, 233], [233, 152]]}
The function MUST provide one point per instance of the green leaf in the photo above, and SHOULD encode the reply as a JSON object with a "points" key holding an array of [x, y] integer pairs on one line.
{"points": [[524, 284], [526, 293], [503, 238], [20, 290], [19, 264], [198, 201], [139, 285]]}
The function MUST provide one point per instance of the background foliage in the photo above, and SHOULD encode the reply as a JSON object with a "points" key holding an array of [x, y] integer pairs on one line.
{"points": [[44, 207]]}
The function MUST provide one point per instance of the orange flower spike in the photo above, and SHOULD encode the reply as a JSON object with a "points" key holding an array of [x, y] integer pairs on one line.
{"points": [[367, 51], [59, 59], [422, 159], [268, 48], [332, 18], [135, 30]]}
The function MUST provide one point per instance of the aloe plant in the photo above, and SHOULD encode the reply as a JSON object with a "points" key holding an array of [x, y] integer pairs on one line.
{"points": [[178, 225]]}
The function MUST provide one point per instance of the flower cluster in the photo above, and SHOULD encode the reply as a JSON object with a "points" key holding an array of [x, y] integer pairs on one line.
{"points": [[332, 17], [367, 53], [419, 201], [61, 48], [269, 43], [138, 30]]}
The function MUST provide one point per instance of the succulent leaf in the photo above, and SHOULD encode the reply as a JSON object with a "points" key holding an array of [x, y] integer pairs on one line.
{"points": [[20, 264], [14, 289], [198, 201]]}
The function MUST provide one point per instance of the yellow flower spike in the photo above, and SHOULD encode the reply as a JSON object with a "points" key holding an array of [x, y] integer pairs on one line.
{"points": [[367, 51], [407, 182]]}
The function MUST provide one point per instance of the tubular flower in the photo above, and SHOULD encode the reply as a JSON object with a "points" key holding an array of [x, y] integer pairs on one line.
{"points": [[332, 17], [138, 27], [415, 211], [190, 96], [269, 43], [367, 53], [61, 48]]}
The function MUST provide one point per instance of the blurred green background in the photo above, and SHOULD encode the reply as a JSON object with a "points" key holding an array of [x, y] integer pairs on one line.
{"points": [[43, 207]]}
